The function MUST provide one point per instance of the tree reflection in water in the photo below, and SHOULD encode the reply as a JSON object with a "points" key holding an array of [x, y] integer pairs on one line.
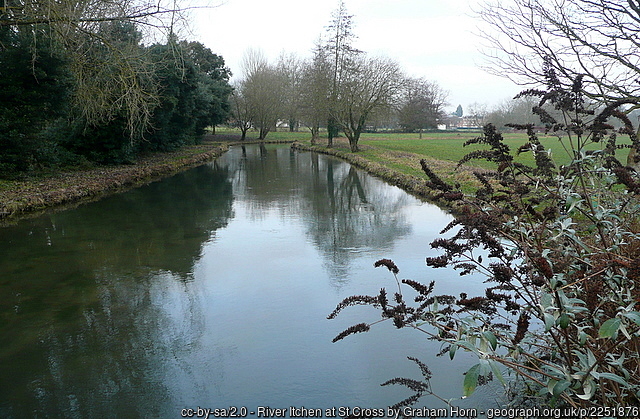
{"points": [[344, 209], [143, 301], [78, 285]]}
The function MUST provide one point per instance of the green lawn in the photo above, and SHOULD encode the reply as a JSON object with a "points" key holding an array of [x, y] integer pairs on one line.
{"points": [[449, 146], [442, 150]]}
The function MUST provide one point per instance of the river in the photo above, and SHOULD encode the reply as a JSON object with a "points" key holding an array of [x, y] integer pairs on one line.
{"points": [[211, 289]]}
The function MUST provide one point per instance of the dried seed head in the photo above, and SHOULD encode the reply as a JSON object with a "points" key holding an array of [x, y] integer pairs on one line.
{"points": [[523, 326], [358, 328], [389, 264]]}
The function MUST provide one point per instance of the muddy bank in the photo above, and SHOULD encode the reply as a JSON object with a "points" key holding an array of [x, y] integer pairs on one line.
{"points": [[22, 197]]}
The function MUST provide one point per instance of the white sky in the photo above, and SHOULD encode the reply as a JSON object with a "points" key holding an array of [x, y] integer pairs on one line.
{"points": [[434, 39]]}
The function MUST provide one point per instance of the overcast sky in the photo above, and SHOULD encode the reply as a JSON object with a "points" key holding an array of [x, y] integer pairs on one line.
{"points": [[434, 39]]}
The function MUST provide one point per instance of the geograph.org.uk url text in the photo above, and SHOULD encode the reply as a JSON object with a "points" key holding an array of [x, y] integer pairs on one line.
{"points": [[423, 412]]}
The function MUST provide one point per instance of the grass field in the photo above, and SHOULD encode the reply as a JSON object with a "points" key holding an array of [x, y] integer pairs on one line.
{"points": [[442, 150]]}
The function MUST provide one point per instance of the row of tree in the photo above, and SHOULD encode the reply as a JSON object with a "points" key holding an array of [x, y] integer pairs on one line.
{"points": [[83, 88], [339, 87]]}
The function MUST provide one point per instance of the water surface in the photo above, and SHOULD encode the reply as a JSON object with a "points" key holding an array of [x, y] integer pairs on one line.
{"points": [[211, 288]]}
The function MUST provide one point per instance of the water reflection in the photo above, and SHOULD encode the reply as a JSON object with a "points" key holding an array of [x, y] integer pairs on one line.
{"points": [[209, 288], [345, 211], [82, 323]]}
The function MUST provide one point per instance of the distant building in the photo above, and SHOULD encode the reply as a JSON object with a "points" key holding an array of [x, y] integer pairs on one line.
{"points": [[460, 122]]}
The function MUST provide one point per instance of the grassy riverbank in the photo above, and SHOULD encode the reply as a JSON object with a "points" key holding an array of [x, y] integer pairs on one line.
{"points": [[390, 156], [396, 157]]}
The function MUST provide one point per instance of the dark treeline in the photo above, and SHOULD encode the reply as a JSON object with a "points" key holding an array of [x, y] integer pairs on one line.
{"points": [[106, 101]]}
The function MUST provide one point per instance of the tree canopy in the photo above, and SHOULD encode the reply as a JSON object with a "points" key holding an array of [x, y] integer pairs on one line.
{"points": [[85, 89]]}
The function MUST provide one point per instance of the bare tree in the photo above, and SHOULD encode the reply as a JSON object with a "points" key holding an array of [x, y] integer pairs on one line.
{"points": [[596, 39], [253, 61], [291, 67], [241, 112], [423, 103], [315, 90], [513, 111], [368, 85], [265, 89], [477, 112], [588, 43]]}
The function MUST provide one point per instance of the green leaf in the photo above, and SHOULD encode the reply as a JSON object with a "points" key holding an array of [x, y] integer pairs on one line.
{"points": [[469, 346], [589, 388], [560, 387], [609, 328], [485, 368], [497, 372], [614, 377], [491, 338], [572, 201], [452, 351], [582, 337], [546, 300], [564, 320], [470, 380], [549, 321], [634, 316]]}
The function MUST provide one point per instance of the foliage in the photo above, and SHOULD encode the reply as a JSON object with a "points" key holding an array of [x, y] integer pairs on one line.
{"points": [[193, 91], [560, 250], [95, 37], [47, 122], [212, 105], [34, 93]]}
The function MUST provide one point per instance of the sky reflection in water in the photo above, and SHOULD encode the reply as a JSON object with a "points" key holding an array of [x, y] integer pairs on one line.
{"points": [[211, 289]]}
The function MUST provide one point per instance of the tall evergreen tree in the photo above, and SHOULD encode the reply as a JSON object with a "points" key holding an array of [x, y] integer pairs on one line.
{"points": [[35, 89], [342, 55]]}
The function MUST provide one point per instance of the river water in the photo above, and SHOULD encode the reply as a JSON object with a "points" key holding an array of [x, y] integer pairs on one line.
{"points": [[211, 289]]}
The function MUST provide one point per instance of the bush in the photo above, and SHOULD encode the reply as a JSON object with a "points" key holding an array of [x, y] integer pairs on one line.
{"points": [[560, 249]]}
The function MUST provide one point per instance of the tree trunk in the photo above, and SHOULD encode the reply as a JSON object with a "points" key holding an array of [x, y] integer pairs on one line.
{"points": [[263, 133], [353, 140], [332, 130], [355, 131], [315, 134]]}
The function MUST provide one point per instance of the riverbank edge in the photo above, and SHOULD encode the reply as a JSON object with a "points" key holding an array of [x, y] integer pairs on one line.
{"points": [[414, 185], [22, 198], [33, 196]]}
